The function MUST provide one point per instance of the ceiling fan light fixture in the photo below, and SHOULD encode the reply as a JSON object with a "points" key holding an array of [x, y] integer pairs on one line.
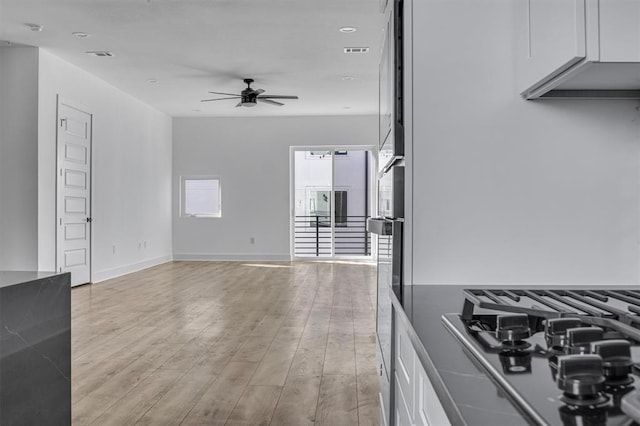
{"points": [[348, 30]]}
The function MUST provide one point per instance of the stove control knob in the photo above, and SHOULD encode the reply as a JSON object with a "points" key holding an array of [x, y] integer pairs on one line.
{"points": [[581, 377], [555, 330], [512, 327], [616, 360], [580, 338]]}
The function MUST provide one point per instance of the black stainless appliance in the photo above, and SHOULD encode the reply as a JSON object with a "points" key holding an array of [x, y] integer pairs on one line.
{"points": [[388, 226], [383, 228], [389, 222], [562, 356]]}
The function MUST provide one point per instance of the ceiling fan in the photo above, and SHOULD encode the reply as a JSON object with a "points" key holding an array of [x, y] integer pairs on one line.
{"points": [[250, 97]]}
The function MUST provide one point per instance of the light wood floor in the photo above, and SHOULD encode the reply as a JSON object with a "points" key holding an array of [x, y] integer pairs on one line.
{"points": [[227, 343]]}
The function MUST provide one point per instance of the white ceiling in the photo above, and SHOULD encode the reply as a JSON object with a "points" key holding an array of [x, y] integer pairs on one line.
{"points": [[289, 47]]}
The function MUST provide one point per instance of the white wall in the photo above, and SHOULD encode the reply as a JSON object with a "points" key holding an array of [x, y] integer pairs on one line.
{"points": [[251, 156], [507, 190], [18, 158], [131, 181]]}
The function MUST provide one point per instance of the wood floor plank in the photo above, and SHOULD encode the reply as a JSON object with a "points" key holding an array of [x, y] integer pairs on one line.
{"points": [[87, 409], [179, 400], [368, 402], [135, 403], [253, 349], [220, 398], [298, 402], [338, 401], [255, 407], [274, 366], [307, 362], [129, 377]]}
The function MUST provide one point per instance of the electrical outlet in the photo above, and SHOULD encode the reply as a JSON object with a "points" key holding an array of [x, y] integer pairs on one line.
{"points": [[114, 249], [252, 240]]}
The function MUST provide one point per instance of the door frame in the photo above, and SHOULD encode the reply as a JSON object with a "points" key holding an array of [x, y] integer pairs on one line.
{"points": [[60, 100], [373, 191]]}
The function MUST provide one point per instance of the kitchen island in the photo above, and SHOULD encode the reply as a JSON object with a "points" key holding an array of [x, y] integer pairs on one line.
{"points": [[35, 348]]}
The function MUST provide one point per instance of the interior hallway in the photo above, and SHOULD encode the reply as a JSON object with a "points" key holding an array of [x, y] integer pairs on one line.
{"points": [[195, 343]]}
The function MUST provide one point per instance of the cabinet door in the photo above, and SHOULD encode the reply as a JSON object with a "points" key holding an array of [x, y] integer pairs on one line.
{"points": [[383, 413], [553, 36], [404, 364], [619, 30], [429, 411], [402, 415]]}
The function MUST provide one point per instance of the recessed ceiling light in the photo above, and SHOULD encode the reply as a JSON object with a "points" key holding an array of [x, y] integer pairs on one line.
{"points": [[100, 53], [348, 30], [152, 80], [34, 27], [80, 34], [348, 78]]}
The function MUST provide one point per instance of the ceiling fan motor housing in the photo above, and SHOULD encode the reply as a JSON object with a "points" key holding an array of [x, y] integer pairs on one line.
{"points": [[249, 97]]}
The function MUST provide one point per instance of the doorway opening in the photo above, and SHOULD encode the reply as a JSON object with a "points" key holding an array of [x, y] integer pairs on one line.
{"points": [[332, 197]]}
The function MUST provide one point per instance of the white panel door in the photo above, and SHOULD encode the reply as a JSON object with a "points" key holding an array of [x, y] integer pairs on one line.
{"points": [[73, 237]]}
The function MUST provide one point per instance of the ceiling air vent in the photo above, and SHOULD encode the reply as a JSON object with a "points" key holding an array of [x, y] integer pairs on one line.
{"points": [[100, 53], [356, 50]]}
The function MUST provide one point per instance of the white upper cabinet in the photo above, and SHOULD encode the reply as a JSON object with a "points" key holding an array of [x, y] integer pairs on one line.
{"points": [[579, 48]]}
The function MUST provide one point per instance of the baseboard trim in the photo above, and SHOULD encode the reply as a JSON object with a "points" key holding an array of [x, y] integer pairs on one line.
{"points": [[127, 269], [232, 257]]}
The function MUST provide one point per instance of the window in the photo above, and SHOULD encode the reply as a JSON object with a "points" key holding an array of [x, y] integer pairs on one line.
{"points": [[201, 197]]}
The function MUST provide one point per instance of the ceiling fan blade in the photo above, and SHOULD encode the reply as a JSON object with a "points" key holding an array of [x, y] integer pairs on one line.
{"points": [[258, 91], [277, 97], [239, 104], [218, 99], [270, 102], [222, 93]]}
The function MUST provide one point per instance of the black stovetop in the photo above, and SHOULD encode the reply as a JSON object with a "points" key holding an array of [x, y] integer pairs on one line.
{"points": [[527, 370]]}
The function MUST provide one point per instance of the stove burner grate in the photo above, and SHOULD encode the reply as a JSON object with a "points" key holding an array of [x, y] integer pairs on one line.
{"points": [[613, 309]]}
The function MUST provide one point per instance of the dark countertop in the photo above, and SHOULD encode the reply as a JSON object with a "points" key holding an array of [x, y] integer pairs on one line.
{"points": [[35, 348], [8, 278], [467, 394]]}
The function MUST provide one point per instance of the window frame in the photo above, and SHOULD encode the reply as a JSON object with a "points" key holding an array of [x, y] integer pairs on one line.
{"points": [[183, 195]]}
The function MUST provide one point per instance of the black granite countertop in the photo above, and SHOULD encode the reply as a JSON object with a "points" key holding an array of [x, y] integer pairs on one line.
{"points": [[467, 394], [8, 278]]}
